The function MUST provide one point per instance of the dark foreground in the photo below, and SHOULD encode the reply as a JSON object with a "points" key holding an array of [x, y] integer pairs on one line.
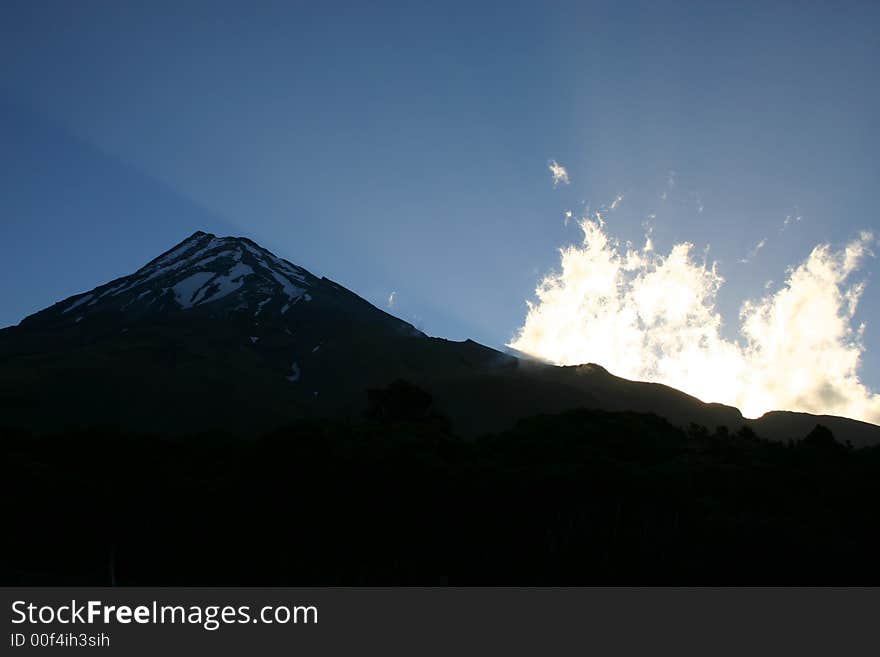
{"points": [[585, 497]]}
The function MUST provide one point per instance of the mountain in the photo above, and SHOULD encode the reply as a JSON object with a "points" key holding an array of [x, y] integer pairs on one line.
{"points": [[315, 422], [219, 333], [217, 277]]}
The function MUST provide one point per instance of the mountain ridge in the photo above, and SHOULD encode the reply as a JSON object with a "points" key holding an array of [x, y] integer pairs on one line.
{"points": [[255, 341]]}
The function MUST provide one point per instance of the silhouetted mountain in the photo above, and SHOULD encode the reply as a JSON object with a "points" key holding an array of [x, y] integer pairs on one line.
{"points": [[221, 333], [257, 422]]}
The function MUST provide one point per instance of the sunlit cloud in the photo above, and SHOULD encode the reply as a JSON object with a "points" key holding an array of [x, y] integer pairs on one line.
{"points": [[559, 173], [754, 251], [648, 226], [649, 316], [616, 201], [789, 220]]}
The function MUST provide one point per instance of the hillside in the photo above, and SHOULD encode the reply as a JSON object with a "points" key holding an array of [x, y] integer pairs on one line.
{"points": [[581, 497]]}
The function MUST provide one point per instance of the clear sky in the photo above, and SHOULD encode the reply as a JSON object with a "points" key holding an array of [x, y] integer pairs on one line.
{"points": [[405, 147]]}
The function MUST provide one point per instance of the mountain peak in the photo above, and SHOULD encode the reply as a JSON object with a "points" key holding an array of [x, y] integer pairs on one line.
{"points": [[204, 272], [214, 277]]}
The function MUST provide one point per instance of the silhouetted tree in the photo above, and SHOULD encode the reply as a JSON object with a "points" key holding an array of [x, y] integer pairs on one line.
{"points": [[821, 437], [402, 401]]}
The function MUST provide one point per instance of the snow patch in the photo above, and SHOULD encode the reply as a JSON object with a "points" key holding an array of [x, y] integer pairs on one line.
{"points": [[291, 290], [210, 259], [261, 304], [185, 290], [160, 268], [77, 303], [194, 273], [229, 283], [291, 270], [136, 299], [179, 251]]}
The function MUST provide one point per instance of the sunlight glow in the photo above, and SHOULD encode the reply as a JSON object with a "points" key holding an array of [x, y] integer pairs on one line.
{"points": [[651, 317]]}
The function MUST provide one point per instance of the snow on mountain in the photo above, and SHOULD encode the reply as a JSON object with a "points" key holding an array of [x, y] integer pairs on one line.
{"points": [[203, 271]]}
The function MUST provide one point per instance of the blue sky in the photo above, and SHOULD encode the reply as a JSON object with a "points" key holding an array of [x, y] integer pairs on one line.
{"points": [[404, 147]]}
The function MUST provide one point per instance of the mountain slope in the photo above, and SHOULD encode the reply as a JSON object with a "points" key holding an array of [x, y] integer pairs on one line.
{"points": [[221, 333]]}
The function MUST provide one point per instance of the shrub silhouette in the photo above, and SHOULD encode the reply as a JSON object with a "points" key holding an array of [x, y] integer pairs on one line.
{"points": [[821, 437], [581, 497], [402, 401]]}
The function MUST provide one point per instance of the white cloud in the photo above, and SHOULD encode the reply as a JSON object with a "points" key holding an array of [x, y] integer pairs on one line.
{"points": [[648, 225], [560, 175], [789, 220], [754, 251], [616, 201], [653, 317], [392, 298]]}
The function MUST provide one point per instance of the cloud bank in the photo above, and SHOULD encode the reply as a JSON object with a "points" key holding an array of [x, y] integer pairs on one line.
{"points": [[653, 317]]}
